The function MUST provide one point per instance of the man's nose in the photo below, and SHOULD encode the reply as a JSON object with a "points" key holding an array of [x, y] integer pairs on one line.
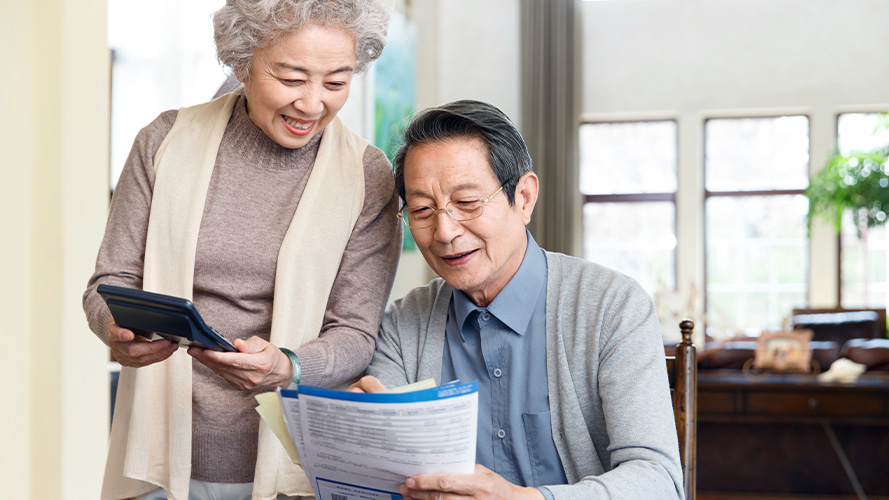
{"points": [[446, 228]]}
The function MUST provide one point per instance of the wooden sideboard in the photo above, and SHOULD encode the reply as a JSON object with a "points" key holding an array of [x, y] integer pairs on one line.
{"points": [[791, 437]]}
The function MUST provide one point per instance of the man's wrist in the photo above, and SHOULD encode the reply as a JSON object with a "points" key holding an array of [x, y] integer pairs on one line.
{"points": [[297, 368]]}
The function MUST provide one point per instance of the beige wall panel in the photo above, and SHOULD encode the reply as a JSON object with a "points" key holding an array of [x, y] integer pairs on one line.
{"points": [[53, 205]]}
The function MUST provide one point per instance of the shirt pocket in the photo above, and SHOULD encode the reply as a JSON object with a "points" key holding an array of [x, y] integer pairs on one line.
{"points": [[546, 468]]}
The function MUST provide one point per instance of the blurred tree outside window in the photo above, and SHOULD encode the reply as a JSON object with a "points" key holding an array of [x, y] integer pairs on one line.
{"points": [[864, 251]]}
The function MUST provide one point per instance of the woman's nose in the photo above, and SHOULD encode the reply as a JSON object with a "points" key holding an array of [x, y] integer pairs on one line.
{"points": [[310, 103]]}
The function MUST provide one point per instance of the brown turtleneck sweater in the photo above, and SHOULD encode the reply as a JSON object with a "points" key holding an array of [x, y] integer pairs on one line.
{"points": [[253, 194]]}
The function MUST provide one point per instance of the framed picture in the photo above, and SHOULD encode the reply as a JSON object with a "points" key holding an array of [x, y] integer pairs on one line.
{"points": [[787, 350]]}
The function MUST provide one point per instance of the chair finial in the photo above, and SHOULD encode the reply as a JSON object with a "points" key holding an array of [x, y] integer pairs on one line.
{"points": [[686, 326]]}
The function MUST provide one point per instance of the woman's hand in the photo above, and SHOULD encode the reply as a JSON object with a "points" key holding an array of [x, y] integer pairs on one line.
{"points": [[135, 351], [483, 484], [258, 365]]}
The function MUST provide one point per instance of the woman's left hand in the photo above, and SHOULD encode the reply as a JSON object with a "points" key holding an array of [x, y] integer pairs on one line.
{"points": [[258, 365]]}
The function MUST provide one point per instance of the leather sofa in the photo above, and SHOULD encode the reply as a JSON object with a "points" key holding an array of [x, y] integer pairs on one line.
{"points": [[733, 354]]}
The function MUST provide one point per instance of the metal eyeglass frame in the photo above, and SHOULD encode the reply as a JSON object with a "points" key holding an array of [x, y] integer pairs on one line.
{"points": [[447, 210]]}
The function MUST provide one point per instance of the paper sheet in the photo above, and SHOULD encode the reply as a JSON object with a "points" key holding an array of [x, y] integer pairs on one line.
{"points": [[280, 410], [429, 383], [270, 410], [355, 445]]}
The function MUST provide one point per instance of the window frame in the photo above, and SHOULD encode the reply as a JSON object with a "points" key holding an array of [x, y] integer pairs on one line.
{"points": [[637, 197], [708, 194], [839, 236]]}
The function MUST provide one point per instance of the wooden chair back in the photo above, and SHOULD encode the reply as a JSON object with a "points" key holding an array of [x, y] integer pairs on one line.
{"points": [[682, 369]]}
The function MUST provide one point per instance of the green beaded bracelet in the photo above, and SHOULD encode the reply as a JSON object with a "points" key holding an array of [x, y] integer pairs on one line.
{"points": [[297, 368]]}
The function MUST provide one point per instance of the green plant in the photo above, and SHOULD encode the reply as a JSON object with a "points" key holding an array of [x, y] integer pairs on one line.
{"points": [[857, 181]]}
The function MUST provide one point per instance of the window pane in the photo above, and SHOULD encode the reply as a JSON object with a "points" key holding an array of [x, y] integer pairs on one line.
{"points": [[855, 132], [864, 282], [628, 157], [637, 239], [164, 58], [744, 154], [757, 260], [864, 263]]}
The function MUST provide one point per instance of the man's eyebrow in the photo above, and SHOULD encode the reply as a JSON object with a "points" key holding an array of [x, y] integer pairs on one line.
{"points": [[410, 192], [466, 185], [458, 187], [344, 69]]}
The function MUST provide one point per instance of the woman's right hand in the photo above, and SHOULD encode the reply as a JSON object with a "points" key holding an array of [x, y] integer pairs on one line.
{"points": [[135, 351]]}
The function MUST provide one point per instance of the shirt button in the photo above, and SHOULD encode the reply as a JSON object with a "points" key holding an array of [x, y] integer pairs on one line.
{"points": [[486, 316], [501, 433], [498, 372]]}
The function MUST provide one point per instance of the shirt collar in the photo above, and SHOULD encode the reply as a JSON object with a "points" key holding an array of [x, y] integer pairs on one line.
{"points": [[515, 304]]}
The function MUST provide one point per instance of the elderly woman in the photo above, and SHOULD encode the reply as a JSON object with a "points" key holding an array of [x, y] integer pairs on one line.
{"points": [[276, 221]]}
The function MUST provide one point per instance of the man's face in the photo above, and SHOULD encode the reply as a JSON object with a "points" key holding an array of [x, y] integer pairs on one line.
{"points": [[478, 256]]}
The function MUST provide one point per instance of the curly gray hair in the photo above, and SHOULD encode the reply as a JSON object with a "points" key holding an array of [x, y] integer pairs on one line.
{"points": [[243, 26]]}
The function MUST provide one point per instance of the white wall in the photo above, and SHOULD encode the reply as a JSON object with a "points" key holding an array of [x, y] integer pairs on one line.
{"points": [[704, 54], [466, 49], [694, 59], [53, 200]]}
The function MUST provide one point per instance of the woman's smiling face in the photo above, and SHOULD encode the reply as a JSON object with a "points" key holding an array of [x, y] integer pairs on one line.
{"points": [[296, 87]]}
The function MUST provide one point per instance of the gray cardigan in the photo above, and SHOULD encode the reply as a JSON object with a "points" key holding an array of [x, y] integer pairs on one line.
{"points": [[612, 418]]}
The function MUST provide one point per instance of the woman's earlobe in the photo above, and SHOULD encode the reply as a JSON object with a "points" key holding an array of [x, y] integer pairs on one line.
{"points": [[241, 74]]}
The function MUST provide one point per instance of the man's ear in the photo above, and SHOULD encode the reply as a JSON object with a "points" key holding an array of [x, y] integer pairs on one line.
{"points": [[526, 195]]}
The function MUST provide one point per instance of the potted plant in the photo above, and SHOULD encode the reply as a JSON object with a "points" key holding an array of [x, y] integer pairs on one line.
{"points": [[856, 181]]}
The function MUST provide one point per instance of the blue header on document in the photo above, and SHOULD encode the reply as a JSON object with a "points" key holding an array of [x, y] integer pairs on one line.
{"points": [[449, 390]]}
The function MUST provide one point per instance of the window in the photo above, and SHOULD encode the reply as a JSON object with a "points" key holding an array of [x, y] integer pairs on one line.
{"points": [[755, 171], [628, 181], [863, 258], [164, 58]]}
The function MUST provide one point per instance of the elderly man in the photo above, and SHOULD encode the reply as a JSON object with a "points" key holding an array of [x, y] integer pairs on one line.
{"points": [[573, 394]]}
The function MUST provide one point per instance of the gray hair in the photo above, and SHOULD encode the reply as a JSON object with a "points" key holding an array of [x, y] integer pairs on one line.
{"points": [[507, 154], [243, 26]]}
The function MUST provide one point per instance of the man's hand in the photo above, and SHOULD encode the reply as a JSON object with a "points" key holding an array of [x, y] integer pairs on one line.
{"points": [[258, 365], [135, 351], [483, 484], [367, 383]]}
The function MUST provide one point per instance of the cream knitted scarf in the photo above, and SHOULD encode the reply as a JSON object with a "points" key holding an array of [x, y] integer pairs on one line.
{"points": [[151, 432]]}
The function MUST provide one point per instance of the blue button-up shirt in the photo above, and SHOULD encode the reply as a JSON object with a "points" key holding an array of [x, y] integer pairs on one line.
{"points": [[503, 346]]}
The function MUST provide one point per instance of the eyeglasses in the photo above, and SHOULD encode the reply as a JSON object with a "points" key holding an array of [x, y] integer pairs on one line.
{"points": [[457, 210]]}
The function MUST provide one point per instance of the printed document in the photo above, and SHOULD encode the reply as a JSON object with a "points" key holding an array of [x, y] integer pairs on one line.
{"points": [[363, 446]]}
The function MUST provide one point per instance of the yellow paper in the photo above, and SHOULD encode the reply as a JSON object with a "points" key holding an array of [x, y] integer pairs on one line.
{"points": [[416, 386], [270, 410]]}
